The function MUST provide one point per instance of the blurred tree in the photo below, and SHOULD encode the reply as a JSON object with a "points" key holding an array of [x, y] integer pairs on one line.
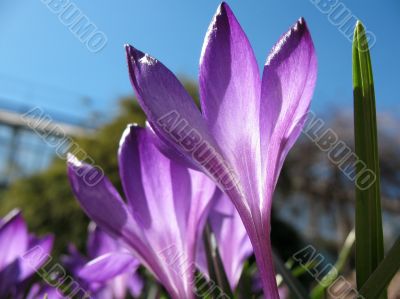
{"points": [[46, 199]]}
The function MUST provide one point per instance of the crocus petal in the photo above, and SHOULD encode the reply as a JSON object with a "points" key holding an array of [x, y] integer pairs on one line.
{"points": [[108, 266], [230, 88], [287, 86], [232, 240], [170, 216], [229, 80], [143, 169], [13, 238], [101, 202], [36, 256]]}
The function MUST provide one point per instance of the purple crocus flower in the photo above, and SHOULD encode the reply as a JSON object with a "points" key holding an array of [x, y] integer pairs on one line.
{"points": [[163, 217], [247, 123], [108, 271], [21, 254]]}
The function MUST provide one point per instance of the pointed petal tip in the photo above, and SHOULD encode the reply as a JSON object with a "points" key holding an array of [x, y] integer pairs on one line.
{"points": [[135, 56], [223, 11], [129, 49], [220, 20], [224, 7], [301, 25], [297, 33], [132, 52], [301, 21]]}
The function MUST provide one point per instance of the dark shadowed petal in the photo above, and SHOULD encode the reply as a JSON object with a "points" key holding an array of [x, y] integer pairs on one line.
{"points": [[233, 242], [108, 266], [287, 86], [14, 238], [37, 254]]}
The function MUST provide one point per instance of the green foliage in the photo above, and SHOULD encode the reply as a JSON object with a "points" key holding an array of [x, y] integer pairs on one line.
{"points": [[369, 235], [379, 280]]}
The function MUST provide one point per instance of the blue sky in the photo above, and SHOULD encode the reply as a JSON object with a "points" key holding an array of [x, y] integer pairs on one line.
{"points": [[43, 63]]}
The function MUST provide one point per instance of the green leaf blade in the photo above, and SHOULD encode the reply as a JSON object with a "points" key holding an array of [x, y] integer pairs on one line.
{"points": [[382, 276], [369, 233], [319, 291]]}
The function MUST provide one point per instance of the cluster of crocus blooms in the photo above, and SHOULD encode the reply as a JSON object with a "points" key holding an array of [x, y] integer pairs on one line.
{"points": [[162, 219], [87, 281], [186, 164], [17, 247]]}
